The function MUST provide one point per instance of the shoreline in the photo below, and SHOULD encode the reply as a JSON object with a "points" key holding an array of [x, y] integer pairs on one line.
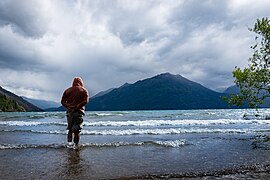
{"points": [[245, 171], [73, 165], [121, 163]]}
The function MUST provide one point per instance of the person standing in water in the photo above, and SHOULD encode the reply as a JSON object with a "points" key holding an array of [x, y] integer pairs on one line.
{"points": [[74, 100]]}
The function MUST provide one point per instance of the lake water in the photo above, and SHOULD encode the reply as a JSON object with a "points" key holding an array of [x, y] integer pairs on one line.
{"points": [[137, 145]]}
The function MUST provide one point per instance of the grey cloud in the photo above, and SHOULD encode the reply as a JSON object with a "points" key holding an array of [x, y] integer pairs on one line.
{"points": [[131, 37], [109, 43], [196, 13], [23, 16], [130, 21], [17, 53]]}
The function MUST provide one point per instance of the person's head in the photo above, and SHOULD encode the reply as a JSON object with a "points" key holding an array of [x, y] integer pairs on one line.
{"points": [[77, 81]]}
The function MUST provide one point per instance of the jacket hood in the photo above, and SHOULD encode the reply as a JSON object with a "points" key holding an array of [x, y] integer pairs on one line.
{"points": [[77, 81]]}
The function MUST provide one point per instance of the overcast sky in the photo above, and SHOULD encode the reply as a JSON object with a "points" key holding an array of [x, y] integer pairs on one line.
{"points": [[45, 43]]}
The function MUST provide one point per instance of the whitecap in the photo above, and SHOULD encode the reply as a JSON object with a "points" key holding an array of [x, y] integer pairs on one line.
{"points": [[124, 132], [174, 122], [172, 143]]}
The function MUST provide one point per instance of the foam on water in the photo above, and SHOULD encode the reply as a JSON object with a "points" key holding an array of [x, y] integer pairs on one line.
{"points": [[25, 146], [175, 122], [167, 131], [104, 114], [124, 132], [175, 143], [140, 123], [172, 143]]}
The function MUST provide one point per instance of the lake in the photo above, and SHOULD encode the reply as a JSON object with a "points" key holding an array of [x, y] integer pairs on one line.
{"points": [[216, 143]]}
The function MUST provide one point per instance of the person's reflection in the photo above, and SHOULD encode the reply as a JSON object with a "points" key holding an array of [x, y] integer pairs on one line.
{"points": [[74, 166]]}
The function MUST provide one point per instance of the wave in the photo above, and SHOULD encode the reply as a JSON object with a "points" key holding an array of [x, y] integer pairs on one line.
{"points": [[104, 114], [140, 123], [124, 132], [30, 123], [167, 131], [175, 122], [26, 146], [53, 115], [31, 115], [35, 131], [172, 144], [169, 143]]}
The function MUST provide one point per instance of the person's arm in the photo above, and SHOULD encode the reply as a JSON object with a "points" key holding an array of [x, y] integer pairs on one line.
{"points": [[84, 102], [64, 100]]}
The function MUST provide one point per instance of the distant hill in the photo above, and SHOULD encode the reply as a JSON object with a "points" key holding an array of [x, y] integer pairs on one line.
{"points": [[162, 92], [236, 90], [43, 104], [9, 105], [12, 102]]}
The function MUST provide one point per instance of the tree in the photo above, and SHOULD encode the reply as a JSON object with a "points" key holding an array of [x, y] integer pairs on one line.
{"points": [[254, 80]]}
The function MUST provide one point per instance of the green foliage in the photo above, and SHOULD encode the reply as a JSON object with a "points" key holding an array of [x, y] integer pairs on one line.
{"points": [[8, 105], [254, 80]]}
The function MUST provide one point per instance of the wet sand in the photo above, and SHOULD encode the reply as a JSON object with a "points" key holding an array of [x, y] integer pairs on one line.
{"points": [[126, 163]]}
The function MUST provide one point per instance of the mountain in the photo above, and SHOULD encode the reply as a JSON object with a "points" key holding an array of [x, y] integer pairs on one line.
{"points": [[236, 90], [109, 90], [232, 90], [162, 92], [12, 102], [101, 93], [43, 104]]}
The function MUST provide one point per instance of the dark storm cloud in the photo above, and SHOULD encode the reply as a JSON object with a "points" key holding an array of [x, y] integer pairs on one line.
{"points": [[23, 16], [22, 24], [16, 57]]}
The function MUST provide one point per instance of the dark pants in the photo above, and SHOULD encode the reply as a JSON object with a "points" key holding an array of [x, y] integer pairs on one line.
{"points": [[75, 120]]}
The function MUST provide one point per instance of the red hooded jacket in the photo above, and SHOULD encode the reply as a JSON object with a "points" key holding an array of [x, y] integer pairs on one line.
{"points": [[75, 97]]}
